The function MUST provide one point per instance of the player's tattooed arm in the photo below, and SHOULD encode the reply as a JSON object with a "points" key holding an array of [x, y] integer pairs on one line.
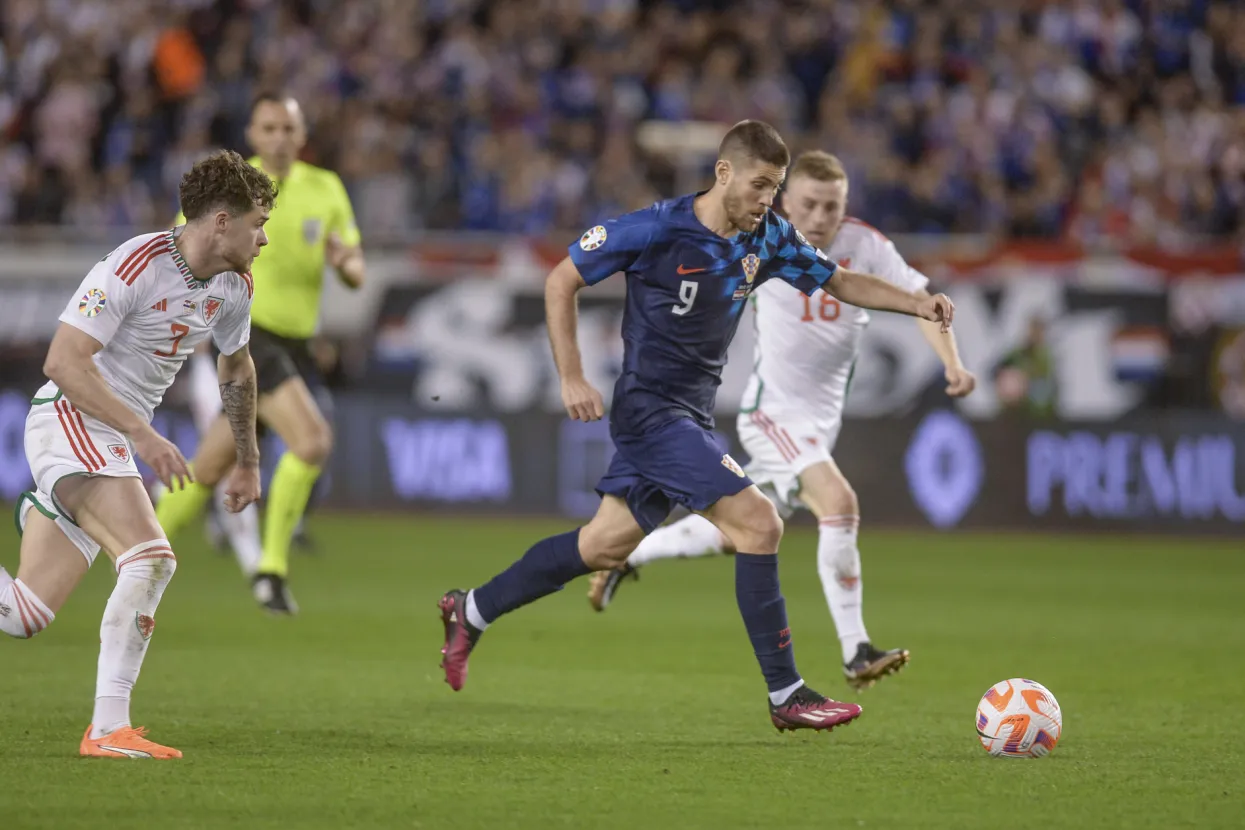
{"points": [[238, 398]]}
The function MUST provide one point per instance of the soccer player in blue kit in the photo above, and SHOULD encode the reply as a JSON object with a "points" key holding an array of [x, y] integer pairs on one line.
{"points": [[690, 263]]}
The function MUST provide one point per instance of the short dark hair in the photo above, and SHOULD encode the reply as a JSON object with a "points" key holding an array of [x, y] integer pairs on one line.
{"points": [[756, 141], [268, 96], [225, 180]]}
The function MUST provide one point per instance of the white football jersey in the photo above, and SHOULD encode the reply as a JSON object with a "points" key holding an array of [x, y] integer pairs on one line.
{"points": [[805, 346], [149, 312]]}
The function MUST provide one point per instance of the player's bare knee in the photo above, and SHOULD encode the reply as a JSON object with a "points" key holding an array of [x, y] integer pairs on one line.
{"points": [[603, 547], [314, 445], [761, 531], [847, 504], [837, 500], [826, 492], [210, 467], [602, 551]]}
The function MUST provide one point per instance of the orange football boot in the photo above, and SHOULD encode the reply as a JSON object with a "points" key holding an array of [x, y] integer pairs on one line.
{"points": [[126, 742]]}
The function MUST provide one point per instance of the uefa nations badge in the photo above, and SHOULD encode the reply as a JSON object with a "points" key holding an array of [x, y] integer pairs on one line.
{"points": [[145, 625], [120, 452], [732, 465], [593, 238], [211, 307], [92, 303]]}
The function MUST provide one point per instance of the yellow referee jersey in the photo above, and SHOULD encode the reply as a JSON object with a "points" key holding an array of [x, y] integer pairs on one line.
{"points": [[289, 274]]}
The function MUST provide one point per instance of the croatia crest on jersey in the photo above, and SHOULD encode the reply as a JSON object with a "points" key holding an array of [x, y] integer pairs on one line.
{"points": [[732, 465], [211, 307], [750, 263], [120, 452]]}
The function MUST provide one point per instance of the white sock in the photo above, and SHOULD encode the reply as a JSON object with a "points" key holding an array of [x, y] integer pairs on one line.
{"points": [[693, 535], [243, 532], [473, 613], [838, 563], [779, 697], [143, 572], [22, 614]]}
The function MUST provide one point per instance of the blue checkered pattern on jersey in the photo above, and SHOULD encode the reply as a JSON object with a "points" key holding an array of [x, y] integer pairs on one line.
{"points": [[686, 288]]}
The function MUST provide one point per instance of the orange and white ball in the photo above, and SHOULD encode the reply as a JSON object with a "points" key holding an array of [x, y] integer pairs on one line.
{"points": [[1019, 718]]}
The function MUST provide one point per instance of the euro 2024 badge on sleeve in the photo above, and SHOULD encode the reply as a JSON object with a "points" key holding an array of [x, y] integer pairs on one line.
{"points": [[593, 238], [92, 303]]}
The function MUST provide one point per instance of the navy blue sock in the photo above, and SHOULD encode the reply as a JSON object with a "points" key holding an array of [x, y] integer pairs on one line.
{"points": [[545, 568], [765, 616]]}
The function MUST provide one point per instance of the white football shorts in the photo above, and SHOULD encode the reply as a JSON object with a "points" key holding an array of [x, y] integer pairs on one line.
{"points": [[781, 444], [62, 441]]}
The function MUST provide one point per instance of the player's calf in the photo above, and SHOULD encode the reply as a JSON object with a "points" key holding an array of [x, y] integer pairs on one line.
{"points": [[602, 547], [143, 573]]}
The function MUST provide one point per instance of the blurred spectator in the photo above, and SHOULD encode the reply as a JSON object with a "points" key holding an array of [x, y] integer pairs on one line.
{"points": [[1025, 379], [1112, 122]]}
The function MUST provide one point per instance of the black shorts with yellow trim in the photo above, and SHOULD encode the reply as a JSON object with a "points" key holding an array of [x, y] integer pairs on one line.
{"points": [[277, 359]]}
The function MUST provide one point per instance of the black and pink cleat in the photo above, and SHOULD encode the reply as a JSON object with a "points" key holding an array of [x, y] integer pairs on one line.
{"points": [[806, 709], [460, 638]]}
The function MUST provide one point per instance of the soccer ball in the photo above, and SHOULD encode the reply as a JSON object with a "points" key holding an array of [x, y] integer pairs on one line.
{"points": [[1019, 718]]}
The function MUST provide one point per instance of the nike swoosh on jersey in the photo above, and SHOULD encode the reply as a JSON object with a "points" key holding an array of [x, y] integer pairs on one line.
{"points": [[681, 270]]}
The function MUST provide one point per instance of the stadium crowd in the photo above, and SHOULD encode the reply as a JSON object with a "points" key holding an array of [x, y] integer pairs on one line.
{"points": [[1103, 122]]}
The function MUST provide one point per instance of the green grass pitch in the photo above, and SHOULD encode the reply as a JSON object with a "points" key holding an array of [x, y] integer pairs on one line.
{"points": [[651, 715]]}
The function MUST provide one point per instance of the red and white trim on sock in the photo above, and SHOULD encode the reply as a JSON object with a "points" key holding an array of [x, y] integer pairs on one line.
{"points": [[155, 549], [22, 614], [847, 521]]}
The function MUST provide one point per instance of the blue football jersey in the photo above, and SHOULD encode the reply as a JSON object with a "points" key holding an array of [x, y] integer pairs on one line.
{"points": [[686, 289]]}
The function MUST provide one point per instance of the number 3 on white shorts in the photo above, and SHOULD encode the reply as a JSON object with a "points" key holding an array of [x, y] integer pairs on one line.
{"points": [[687, 296]]}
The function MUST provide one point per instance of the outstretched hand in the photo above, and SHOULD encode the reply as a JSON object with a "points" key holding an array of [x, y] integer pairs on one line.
{"points": [[937, 308]]}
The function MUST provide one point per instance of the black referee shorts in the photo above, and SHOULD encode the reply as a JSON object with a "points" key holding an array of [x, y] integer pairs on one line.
{"points": [[277, 359]]}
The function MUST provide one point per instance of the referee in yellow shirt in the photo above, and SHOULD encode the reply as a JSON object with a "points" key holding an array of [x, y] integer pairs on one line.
{"points": [[312, 225]]}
